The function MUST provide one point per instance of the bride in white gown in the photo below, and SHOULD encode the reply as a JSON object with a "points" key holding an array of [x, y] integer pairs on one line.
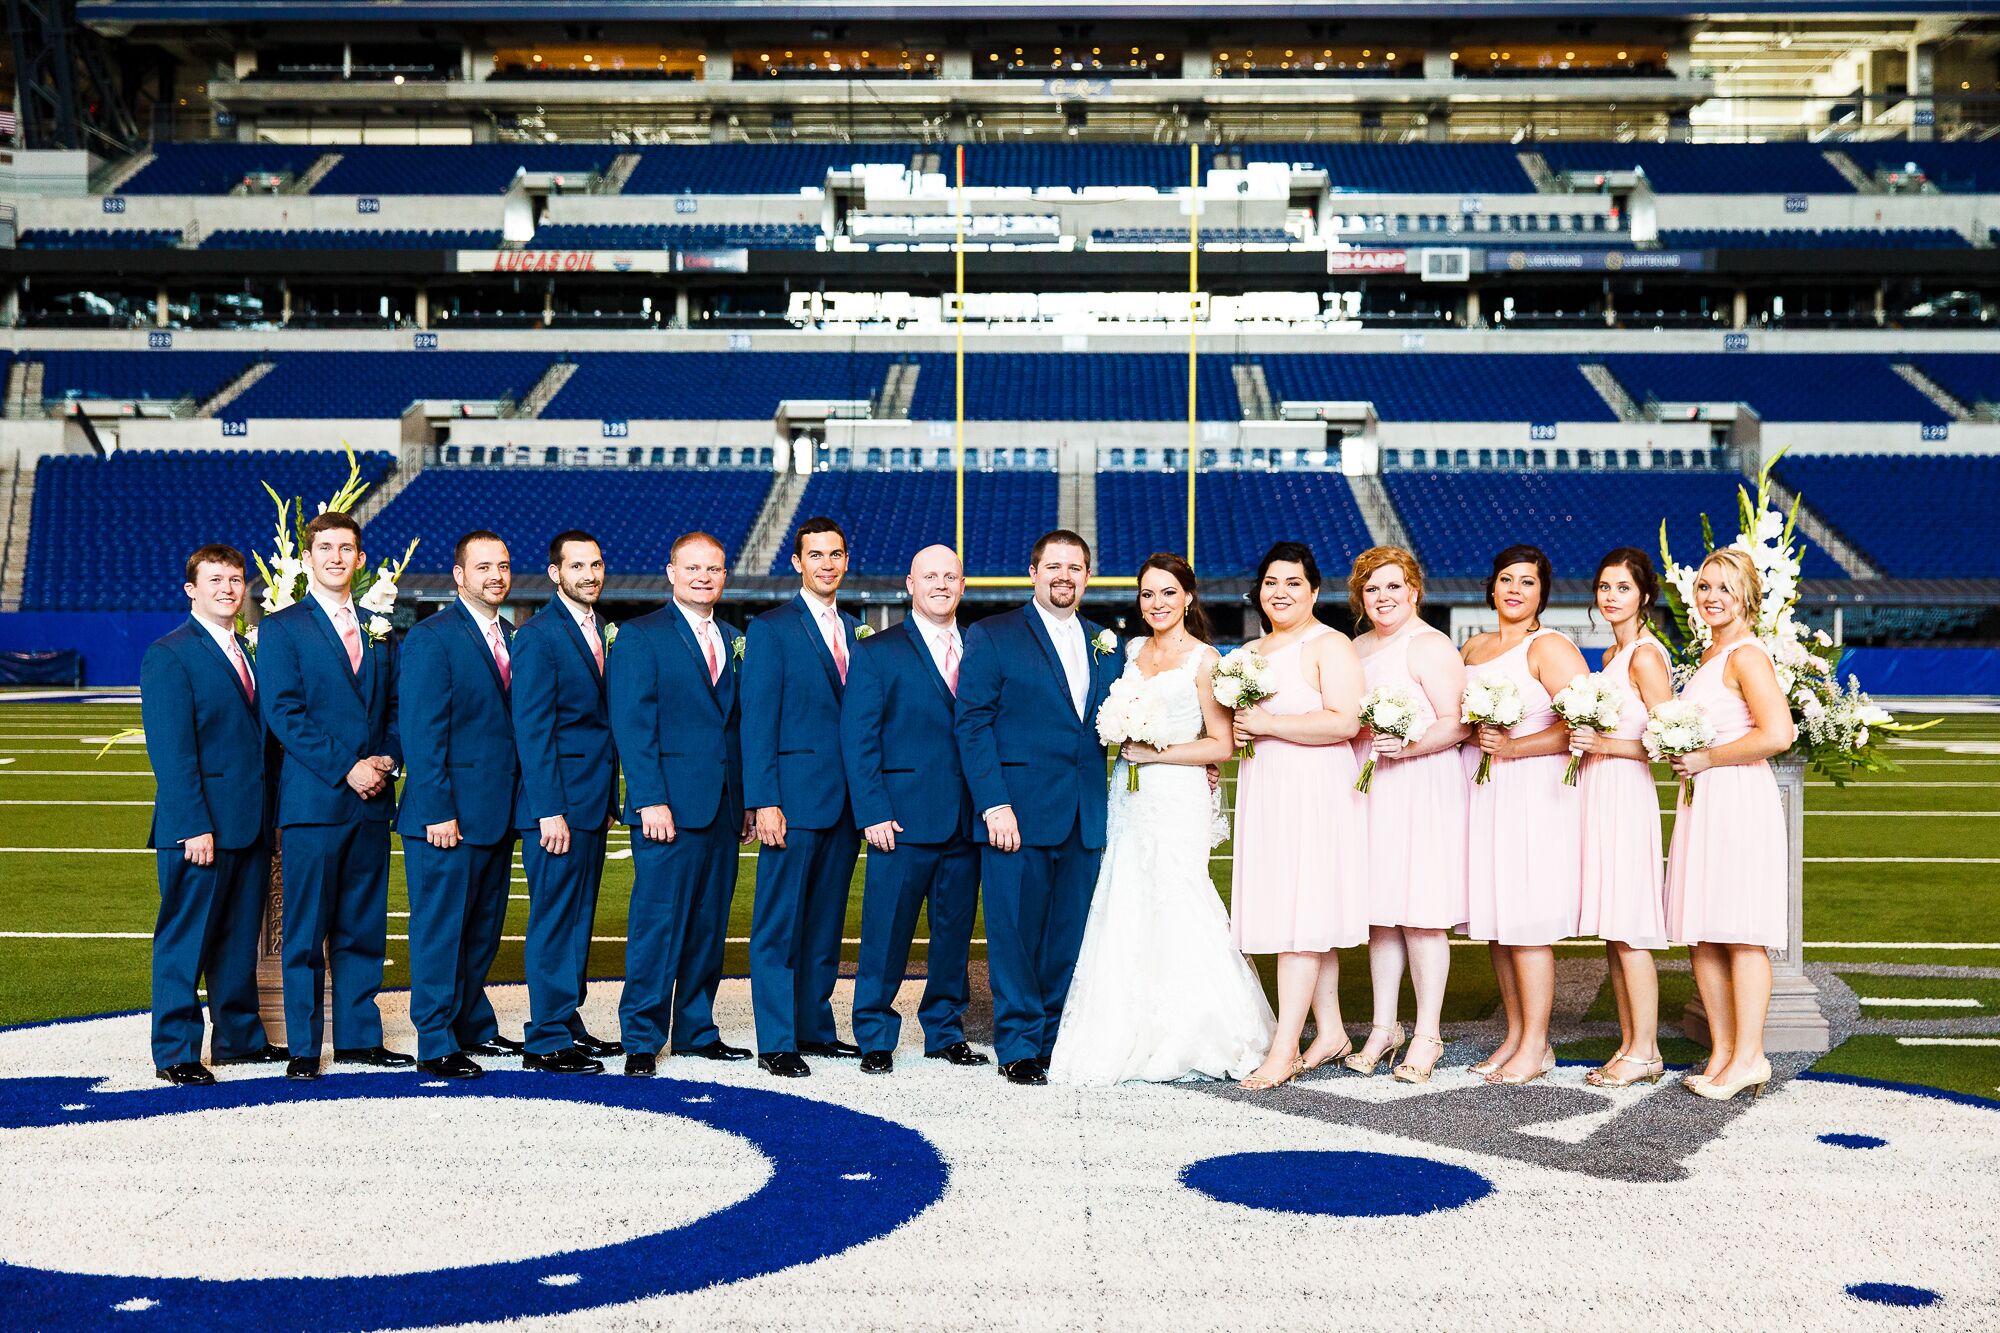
{"points": [[1160, 992]]}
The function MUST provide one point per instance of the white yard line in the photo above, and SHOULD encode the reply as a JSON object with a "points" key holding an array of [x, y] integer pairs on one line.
{"points": [[1948, 1041], [1901, 1002], [147, 804]]}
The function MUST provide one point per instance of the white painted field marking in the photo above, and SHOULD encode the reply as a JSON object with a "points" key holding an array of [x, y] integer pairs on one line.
{"points": [[75, 935], [77, 803], [1897, 944], [78, 751], [146, 773], [1948, 1041], [1901, 1002], [1903, 860]]}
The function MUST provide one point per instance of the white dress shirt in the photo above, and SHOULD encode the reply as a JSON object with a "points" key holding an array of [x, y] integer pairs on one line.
{"points": [[224, 636], [703, 626], [826, 618], [941, 640], [1066, 632], [332, 605]]}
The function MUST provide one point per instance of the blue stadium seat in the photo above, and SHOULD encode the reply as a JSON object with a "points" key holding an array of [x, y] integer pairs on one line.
{"points": [[1061, 386], [1410, 168], [722, 386], [1237, 517], [669, 236], [1934, 516], [1779, 386], [138, 376], [1436, 386], [1971, 377], [1710, 168], [236, 238], [104, 238], [384, 384], [487, 168], [1178, 235], [217, 168], [753, 168], [890, 516], [1959, 167], [1848, 238], [1075, 166]]}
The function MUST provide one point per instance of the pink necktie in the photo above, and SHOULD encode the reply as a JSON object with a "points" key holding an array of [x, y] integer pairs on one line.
{"points": [[709, 651], [499, 648], [242, 670], [596, 644], [837, 641], [951, 665], [350, 634]]}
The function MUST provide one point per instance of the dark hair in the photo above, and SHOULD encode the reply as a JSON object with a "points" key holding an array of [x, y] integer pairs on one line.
{"points": [[812, 526], [1284, 553], [562, 539], [215, 553], [1522, 554], [476, 535], [1060, 537], [689, 539], [333, 520], [1641, 566], [1196, 619]]}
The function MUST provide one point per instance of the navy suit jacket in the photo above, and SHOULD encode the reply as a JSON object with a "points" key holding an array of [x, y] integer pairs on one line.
{"points": [[1019, 737], [324, 715], [562, 723], [457, 728], [896, 737], [678, 735], [205, 740], [791, 717]]}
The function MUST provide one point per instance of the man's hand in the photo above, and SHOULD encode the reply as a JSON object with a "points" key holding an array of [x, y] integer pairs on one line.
{"points": [[384, 763], [1001, 830], [443, 836], [1214, 777], [555, 835], [656, 823], [771, 825], [200, 849], [882, 836], [365, 779], [749, 828]]}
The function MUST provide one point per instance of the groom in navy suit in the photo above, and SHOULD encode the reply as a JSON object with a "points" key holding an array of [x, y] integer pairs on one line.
{"points": [[1027, 708], [794, 672]]}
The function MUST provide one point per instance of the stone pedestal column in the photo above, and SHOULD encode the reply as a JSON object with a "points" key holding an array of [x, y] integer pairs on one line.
{"points": [[270, 961]]}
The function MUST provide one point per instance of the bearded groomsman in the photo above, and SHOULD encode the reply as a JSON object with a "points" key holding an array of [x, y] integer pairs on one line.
{"points": [[328, 687], [673, 692], [206, 743], [795, 671], [910, 799], [569, 794], [457, 818]]}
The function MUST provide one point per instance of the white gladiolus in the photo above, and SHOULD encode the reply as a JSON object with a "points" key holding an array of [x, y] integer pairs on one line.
{"points": [[381, 595]]}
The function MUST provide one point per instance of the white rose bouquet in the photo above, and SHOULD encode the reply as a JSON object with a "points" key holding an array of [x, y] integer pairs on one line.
{"points": [[1132, 712], [1242, 679], [1387, 712], [1677, 727], [1593, 701], [1490, 701]]}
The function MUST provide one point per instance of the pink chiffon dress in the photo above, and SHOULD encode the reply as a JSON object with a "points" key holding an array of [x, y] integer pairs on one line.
{"points": [[1727, 870], [1416, 812], [1624, 898], [1523, 862], [1299, 883]]}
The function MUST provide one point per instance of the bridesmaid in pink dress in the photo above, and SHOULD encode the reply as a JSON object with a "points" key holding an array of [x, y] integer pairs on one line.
{"points": [[1522, 856], [1416, 810], [1623, 900], [1726, 873], [1299, 887]]}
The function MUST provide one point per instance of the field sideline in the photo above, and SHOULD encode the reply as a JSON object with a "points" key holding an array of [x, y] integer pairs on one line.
{"points": [[1902, 899]]}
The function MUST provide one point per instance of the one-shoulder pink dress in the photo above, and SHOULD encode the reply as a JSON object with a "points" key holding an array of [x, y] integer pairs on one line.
{"points": [[1523, 862], [1416, 812], [1624, 897], [1728, 867], [1300, 873]]}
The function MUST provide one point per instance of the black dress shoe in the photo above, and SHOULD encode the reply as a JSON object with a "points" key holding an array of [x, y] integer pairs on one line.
{"points": [[638, 1064], [1028, 1073], [784, 1064], [488, 1049], [302, 1067], [507, 1045], [568, 1060], [716, 1050], [269, 1055], [877, 1062], [456, 1065], [837, 1050], [595, 1049], [379, 1056], [958, 1053], [187, 1074]]}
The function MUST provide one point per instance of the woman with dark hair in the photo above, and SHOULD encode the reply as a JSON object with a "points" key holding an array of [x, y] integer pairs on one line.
{"points": [[1159, 992], [1623, 893], [1522, 854], [1301, 869]]}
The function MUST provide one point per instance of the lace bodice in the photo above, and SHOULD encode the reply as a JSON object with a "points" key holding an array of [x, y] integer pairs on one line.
{"points": [[1172, 799]]}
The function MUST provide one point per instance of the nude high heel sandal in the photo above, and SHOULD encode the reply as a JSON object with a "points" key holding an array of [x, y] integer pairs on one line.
{"points": [[1361, 1066], [1409, 1073], [1500, 1080]]}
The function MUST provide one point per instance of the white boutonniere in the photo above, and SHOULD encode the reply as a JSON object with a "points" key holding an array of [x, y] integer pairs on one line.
{"points": [[610, 635], [864, 631], [1104, 644], [378, 628], [249, 637]]}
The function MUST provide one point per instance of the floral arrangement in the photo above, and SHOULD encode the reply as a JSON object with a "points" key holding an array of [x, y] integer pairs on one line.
{"points": [[1242, 679], [1137, 710], [1593, 701], [1677, 727], [285, 578], [1386, 711], [1837, 726], [1493, 701]]}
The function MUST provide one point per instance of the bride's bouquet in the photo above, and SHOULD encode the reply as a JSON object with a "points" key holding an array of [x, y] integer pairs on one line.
{"points": [[1242, 679], [1132, 712], [1388, 712], [1491, 701], [1592, 701], [1677, 727]]}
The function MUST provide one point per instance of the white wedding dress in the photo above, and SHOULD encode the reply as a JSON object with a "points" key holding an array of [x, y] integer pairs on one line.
{"points": [[1159, 991]]}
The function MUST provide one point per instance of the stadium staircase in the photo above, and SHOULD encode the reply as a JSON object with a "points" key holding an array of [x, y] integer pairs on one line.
{"points": [[615, 176], [110, 179], [24, 390], [899, 390], [1947, 401], [234, 389], [1611, 391], [773, 525], [1253, 392], [545, 390], [314, 174], [1076, 503], [1823, 534], [382, 492], [1851, 172], [18, 508], [1385, 526], [1537, 168]]}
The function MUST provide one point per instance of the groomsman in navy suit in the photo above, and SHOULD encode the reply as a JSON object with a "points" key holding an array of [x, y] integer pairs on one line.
{"points": [[206, 743], [1027, 706], [794, 672], [328, 687], [910, 799], [569, 795], [457, 817], [672, 680]]}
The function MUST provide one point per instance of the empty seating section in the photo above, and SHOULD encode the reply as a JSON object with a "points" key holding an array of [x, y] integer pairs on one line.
{"points": [[1960, 168], [1848, 238], [635, 512], [667, 236], [1178, 235], [467, 169], [1075, 166], [1971, 377], [1506, 229], [889, 516], [1238, 516], [384, 384], [112, 534], [1709, 168], [1531, 387], [138, 376], [234, 238], [721, 386], [753, 168], [1457, 520], [217, 168], [1779, 386], [1059, 386], [1411, 168], [100, 238], [1917, 515]]}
